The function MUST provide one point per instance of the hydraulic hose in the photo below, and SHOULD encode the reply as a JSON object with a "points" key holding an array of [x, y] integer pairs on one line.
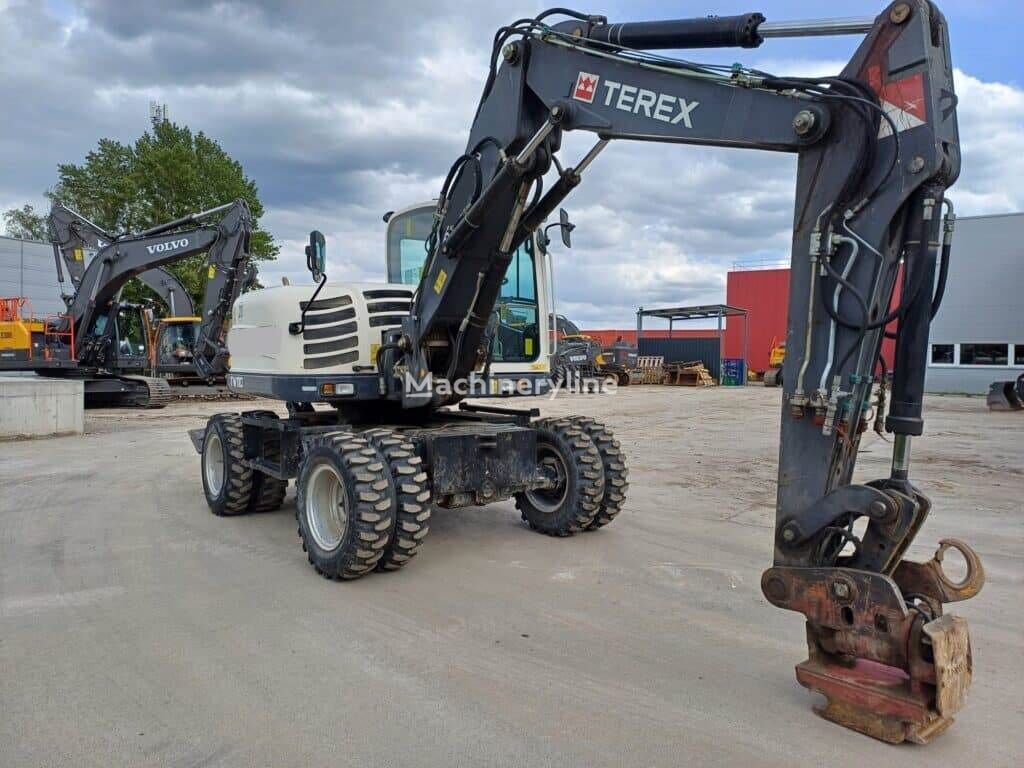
{"points": [[948, 225], [855, 250]]}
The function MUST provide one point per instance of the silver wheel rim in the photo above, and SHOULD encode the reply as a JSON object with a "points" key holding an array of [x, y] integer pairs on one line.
{"points": [[326, 507], [213, 463], [549, 500]]}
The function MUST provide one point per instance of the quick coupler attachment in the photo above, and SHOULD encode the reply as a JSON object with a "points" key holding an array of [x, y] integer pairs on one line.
{"points": [[887, 660]]}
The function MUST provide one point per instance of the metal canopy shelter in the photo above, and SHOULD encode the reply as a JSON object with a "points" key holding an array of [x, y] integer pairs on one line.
{"points": [[699, 312]]}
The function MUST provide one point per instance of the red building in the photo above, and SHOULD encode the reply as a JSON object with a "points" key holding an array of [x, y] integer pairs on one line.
{"points": [[764, 293]]}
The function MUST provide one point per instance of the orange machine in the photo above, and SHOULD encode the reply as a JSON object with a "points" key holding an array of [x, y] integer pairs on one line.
{"points": [[24, 337]]}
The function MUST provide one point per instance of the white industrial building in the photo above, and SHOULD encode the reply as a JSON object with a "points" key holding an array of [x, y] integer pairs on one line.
{"points": [[977, 337], [27, 269]]}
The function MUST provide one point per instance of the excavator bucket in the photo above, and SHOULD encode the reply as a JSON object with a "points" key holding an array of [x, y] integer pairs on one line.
{"points": [[1003, 396]]}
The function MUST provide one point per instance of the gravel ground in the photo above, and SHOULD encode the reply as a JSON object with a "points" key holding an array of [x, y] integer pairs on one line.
{"points": [[137, 629]]}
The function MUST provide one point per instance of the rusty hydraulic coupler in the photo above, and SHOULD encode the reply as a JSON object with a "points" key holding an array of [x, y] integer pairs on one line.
{"points": [[888, 661]]}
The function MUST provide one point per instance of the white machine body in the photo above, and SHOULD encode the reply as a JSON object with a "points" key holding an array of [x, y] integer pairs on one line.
{"points": [[341, 335]]}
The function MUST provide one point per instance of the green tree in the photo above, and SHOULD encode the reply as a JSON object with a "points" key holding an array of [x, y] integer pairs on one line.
{"points": [[25, 223], [167, 173]]}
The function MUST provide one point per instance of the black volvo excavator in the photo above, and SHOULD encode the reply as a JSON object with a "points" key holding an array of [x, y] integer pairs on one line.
{"points": [[101, 340], [169, 339], [877, 147]]}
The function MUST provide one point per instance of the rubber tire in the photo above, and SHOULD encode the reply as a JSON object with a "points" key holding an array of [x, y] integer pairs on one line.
{"points": [[268, 492], [370, 500], [236, 491], [585, 480], [616, 473], [413, 502]]}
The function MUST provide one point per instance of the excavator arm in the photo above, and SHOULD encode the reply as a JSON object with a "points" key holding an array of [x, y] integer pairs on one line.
{"points": [[76, 239], [122, 258], [877, 147]]}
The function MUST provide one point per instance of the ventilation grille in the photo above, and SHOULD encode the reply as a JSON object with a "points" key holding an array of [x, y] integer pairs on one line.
{"points": [[330, 334], [387, 307]]}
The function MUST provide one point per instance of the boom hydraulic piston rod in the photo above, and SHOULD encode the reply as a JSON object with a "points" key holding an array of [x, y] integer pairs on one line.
{"points": [[877, 148]]}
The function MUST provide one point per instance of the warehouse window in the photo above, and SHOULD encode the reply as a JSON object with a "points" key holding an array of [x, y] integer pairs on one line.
{"points": [[984, 354], [942, 354]]}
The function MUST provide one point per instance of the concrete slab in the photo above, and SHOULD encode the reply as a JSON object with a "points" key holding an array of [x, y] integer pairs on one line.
{"points": [[38, 407], [137, 629]]}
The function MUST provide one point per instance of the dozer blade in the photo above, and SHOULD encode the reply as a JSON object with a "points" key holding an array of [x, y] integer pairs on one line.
{"points": [[1002, 396]]}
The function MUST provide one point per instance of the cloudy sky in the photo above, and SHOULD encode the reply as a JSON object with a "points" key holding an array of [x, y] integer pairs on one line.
{"points": [[342, 111]]}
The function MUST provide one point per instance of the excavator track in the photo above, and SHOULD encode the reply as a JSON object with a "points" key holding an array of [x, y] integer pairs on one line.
{"points": [[157, 392]]}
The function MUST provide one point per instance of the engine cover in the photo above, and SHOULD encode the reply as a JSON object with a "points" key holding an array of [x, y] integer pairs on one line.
{"points": [[342, 328]]}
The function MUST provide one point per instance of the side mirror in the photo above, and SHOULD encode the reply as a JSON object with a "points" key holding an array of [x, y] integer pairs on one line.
{"points": [[316, 255], [566, 226]]}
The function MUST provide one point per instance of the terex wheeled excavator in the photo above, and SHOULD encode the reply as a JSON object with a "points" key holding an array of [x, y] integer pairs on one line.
{"points": [[376, 432], [99, 340]]}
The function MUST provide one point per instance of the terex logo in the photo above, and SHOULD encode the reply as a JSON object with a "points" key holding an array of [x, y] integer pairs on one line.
{"points": [[170, 245], [586, 87], [658, 106]]}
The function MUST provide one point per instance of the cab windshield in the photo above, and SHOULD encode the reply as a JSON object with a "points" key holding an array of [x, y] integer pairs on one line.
{"points": [[176, 343], [517, 339]]}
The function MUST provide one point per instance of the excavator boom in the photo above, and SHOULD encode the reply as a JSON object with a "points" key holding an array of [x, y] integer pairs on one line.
{"points": [[877, 147], [76, 240]]}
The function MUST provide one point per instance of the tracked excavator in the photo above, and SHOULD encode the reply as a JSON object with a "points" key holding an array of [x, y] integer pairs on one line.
{"points": [[170, 338], [102, 341], [378, 430]]}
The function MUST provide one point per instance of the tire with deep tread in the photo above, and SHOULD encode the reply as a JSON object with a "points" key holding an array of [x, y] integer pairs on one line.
{"points": [[616, 474], [585, 480], [268, 492], [413, 502], [235, 492], [369, 499]]}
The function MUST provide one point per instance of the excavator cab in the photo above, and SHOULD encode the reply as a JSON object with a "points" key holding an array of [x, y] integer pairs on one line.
{"points": [[118, 339], [171, 349], [520, 343]]}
